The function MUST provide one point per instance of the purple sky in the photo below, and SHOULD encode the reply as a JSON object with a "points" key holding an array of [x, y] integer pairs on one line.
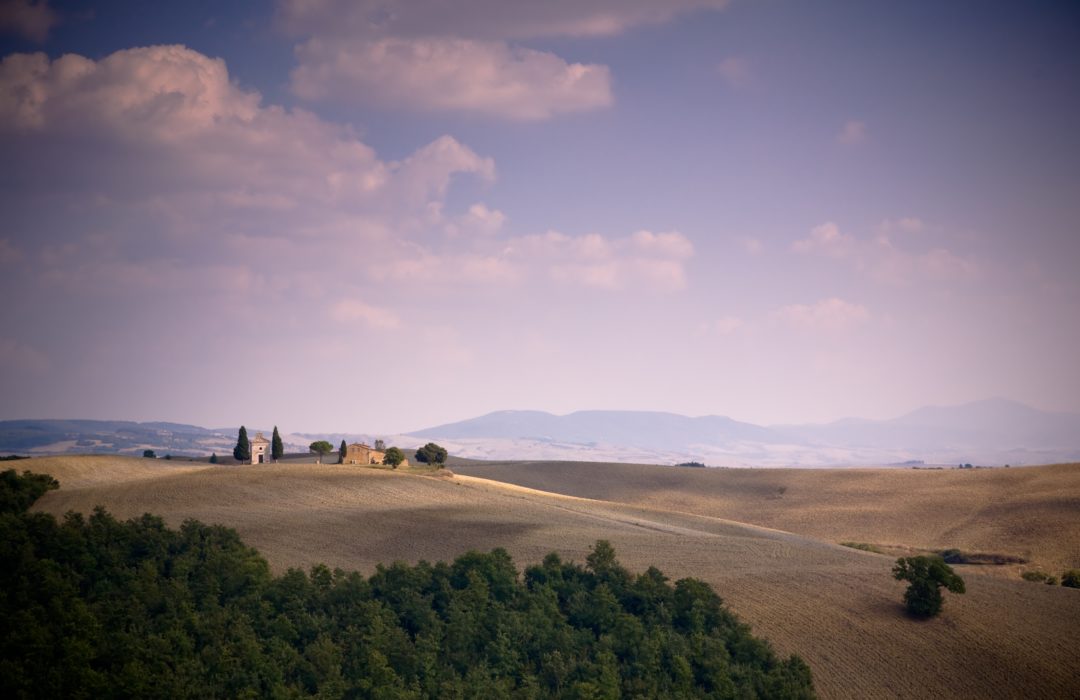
{"points": [[375, 216]]}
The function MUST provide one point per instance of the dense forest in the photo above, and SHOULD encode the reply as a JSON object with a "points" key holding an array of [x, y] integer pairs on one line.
{"points": [[95, 607]]}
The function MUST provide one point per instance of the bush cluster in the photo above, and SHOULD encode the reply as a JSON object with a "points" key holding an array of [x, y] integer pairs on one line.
{"points": [[94, 606]]}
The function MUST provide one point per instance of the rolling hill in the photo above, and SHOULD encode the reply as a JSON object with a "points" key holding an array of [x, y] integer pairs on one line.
{"points": [[837, 607]]}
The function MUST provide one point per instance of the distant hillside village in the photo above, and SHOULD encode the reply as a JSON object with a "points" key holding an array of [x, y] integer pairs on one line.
{"points": [[260, 450]]}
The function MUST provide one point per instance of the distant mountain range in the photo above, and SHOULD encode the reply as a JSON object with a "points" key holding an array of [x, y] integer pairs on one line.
{"points": [[991, 432]]}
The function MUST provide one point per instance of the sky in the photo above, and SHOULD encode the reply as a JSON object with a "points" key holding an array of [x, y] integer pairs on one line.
{"points": [[377, 215]]}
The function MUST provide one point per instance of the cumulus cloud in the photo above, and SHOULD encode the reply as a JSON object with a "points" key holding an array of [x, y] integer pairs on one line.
{"points": [[430, 55], [646, 259], [892, 255], [485, 19], [852, 133], [827, 239], [828, 314], [165, 127], [31, 19], [449, 74], [478, 220]]}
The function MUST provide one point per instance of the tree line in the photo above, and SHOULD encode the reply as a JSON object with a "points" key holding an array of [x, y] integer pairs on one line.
{"points": [[95, 606]]}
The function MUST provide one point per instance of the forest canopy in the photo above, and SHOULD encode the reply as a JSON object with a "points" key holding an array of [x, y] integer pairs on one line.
{"points": [[95, 606]]}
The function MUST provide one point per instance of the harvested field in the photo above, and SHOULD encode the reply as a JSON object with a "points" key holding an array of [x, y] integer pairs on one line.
{"points": [[1029, 513], [836, 607]]}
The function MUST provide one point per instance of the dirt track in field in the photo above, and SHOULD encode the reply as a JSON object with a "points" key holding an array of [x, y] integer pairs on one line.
{"points": [[836, 607]]}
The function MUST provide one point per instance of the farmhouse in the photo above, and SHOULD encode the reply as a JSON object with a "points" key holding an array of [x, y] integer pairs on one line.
{"points": [[359, 453], [259, 449]]}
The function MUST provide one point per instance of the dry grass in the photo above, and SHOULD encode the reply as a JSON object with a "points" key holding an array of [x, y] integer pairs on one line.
{"points": [[1029, 512], [835, 606]]}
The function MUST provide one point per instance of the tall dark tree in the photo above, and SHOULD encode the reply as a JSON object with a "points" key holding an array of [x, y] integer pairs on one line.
{"points": [[341, 453], [277, 448], [242, 451], [380, 445]]}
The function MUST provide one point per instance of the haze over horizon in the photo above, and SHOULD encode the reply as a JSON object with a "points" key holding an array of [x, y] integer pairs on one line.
{"points": [[377, 217]]}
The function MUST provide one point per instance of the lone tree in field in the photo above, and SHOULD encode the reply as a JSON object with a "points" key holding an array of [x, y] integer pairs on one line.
{"points": [[242, 451], [393, 457], [341, 453], [277, 448], [431, 454], [149, 454], [321, 447], [927, 576]]}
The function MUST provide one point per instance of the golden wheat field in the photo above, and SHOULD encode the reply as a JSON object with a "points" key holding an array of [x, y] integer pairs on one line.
{"points": [[836, 607]]}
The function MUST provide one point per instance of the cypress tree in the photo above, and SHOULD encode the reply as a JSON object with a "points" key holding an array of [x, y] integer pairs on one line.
{"points": [[341, 453], [242, 451], [277, 448]]}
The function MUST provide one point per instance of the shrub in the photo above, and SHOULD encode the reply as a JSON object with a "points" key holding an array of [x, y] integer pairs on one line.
{"points": [[863, 546], [1039, 577], [1071, 578], [149, 454]]}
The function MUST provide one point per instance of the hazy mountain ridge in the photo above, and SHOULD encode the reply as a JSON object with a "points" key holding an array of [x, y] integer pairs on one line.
{"points": [[991, 432], [994, 431]]}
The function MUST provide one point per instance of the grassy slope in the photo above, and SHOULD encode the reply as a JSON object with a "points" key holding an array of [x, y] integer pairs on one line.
{"points": [[1029, 512], [836, 607]]}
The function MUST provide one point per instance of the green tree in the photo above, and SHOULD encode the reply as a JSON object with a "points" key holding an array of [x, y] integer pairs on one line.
{"points": [[926, 577], [213, 458], [277, 447], [242, 451], [431, 454], [321, 447], [1071, 578], [393, 457], [341, 452], [380, 445], [149, 454]]}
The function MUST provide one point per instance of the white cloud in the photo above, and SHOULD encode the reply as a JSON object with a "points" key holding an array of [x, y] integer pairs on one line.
{"points": [[478, 220], [735, 71], [828, 314], [351, 310], [826, 239], [164, 128], [485, 19], [891, 256], [852, 133], [430, 55], [449, 74], [643, 259], [32, 19]]}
